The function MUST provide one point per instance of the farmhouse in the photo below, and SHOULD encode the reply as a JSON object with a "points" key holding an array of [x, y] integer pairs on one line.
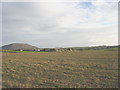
{"points": [[19, 49], [37, 50]]}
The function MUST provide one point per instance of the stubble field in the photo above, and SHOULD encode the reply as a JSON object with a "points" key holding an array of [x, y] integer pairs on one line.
{"points": [[75, 69]]}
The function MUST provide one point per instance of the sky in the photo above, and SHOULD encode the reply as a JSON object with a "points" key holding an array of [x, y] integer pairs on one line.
{"points": [[60, 24]]}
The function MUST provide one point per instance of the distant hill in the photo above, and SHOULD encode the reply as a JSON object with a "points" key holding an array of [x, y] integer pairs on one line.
{"points": [[95, 48], [27, 47], [16, 46]]}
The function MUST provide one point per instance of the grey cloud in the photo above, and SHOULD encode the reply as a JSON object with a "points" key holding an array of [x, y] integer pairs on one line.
{"points": [[23, 23]]}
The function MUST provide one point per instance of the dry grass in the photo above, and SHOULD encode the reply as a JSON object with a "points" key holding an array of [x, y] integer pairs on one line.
{"points": [[91, 69]]}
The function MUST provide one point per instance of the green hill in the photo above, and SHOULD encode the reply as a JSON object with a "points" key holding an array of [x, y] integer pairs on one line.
{"points": [[16, 46]]}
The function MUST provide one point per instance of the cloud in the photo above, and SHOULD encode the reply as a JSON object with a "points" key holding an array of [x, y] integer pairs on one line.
{"points": [[0, 24], [59, 0], [60, 24]]}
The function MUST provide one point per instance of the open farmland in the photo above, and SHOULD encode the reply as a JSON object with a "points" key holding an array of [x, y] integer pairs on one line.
{"points": [[72, 69]]}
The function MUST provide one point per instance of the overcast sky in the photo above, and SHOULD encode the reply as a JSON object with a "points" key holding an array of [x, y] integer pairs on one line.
{"points": [[60, 24]]}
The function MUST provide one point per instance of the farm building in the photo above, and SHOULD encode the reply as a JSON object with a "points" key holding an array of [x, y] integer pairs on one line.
{"points": [[19, 49]]}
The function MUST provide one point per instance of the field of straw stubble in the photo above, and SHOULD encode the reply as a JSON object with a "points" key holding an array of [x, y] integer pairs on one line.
{"points": [[75, 69]]}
